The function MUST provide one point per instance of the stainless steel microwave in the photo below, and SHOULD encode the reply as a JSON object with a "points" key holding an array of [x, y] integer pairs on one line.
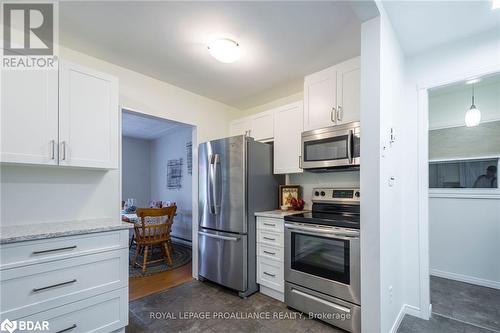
{"points": [[330, 148]]}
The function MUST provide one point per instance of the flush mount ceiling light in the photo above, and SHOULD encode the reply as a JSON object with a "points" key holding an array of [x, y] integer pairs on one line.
{"points": [[225, 50], [495, 4], [473, 115], [472, 81]]}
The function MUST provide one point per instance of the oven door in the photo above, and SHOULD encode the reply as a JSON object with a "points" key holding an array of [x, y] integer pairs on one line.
{"points": [[323, 258], [327, 149]]}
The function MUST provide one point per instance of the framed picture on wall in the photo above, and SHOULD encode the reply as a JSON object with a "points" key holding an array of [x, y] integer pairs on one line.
{"points": [[287, 193]]}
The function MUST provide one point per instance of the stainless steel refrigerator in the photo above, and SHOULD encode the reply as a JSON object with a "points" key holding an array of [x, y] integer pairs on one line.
{"points": [[235, 180]]}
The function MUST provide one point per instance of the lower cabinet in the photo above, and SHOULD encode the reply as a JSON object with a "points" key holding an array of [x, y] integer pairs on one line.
{"points": [[270, 260], [74, 283]]}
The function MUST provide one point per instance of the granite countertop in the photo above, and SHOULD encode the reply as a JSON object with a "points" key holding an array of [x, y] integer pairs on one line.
{"points": [[27, 232], [279, 213]]}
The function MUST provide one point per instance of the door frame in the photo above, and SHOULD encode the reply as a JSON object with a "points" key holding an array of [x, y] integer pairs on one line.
{"points": [[423, 174], [194, 185]]}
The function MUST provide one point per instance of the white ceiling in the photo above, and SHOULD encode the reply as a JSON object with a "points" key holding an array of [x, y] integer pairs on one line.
{"points": [[148, 128], [421, 25], [464, 86], [281, 42]]}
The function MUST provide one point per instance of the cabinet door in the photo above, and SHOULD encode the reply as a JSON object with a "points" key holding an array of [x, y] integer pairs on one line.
{"points": [[88, 118], [262, 126], [348, 91], [240, 127], [29, 116], [319, 99], [288, 124]]}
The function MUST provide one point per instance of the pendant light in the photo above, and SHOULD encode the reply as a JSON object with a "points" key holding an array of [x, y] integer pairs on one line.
{"points": [[473, 115]]}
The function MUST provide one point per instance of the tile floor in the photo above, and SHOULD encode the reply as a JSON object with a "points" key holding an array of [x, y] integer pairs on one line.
{"points": [[458, 307], [197, 297]]}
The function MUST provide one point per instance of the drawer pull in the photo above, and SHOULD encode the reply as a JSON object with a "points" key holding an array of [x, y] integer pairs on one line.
{"points": [[54, 250], [67, 329], [269, 274], [271, 253], [271, 239], [54, 285], [270, 224]]}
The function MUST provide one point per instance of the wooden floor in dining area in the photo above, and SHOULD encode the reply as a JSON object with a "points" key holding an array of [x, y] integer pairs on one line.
{"points": [[144, 286]]}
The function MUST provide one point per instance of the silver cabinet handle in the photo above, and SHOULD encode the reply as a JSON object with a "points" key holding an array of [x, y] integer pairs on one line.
{"points": [[54, 250], [333, 115], [67, 329], [271, 239], [340, 113], [300, 162], [270, 224], [35, 290], [234, 239], [320, 300], [271, 253], [53, 149], [269, 274], [63, 148]]}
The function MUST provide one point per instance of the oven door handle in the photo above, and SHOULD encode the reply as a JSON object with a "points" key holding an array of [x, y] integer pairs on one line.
{"points": [[325, 233], [320, 300]]}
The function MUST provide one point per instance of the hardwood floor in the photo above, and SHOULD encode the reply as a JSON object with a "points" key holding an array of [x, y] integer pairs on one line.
{"points": [[144, 286]]}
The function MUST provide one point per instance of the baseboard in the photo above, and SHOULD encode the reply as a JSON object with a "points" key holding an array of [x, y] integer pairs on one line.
{"points": [[182, 241], [466, 279], [405, 310]]}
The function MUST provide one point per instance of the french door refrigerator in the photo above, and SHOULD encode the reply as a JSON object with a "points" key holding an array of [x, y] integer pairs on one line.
{"points": [[235, 181]]}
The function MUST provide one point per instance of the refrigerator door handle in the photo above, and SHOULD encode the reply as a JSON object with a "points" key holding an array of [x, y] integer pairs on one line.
{"points": [[212, 196]]}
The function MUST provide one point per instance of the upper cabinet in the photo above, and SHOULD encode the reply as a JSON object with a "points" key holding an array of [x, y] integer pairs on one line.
{"points": [[88, 117], [288, 126], [68, 117], [258, 126], [331, 96]]}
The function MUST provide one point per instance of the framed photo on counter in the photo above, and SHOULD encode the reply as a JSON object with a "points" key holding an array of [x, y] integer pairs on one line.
{"points": [[287, 193]]}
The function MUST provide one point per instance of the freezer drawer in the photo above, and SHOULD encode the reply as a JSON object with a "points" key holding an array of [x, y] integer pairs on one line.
{"points": [[223, 258]]}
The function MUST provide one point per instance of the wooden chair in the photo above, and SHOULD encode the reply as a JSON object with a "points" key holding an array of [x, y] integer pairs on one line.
{"points": [[154, 230]]}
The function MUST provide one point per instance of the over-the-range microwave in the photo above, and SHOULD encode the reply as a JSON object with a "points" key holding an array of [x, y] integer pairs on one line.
{"points": [[331, 148]]}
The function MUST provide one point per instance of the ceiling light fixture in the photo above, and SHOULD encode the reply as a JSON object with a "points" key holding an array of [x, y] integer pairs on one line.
{"points": [[225, 50], [473, 115], [472, 81], [495, 4]]}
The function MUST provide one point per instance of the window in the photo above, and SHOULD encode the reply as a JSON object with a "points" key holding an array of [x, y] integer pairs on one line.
{"points": [[479, 173]]}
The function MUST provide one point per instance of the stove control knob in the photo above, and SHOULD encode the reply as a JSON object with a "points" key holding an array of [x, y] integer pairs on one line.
{"points": [[322, 193], [316, 193], [356, 194]]}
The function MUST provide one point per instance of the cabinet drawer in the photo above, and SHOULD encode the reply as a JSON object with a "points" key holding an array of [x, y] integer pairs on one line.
{"points": [[270, 238], [104, 313], [270, 252], [267, 223], [34, 288], [270, 274], [37, 251]]}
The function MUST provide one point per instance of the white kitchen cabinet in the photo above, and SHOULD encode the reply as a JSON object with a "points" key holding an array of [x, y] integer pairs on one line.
{"points": [[288, 126], [29, 130], [88, 117], [240, 127], [64, 117], [258, 126], [331, 96], [262, 126], [348, 91], [320, 99]]}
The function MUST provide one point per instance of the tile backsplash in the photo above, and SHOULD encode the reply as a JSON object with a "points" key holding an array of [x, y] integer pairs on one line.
{"points": [[309, 180]]}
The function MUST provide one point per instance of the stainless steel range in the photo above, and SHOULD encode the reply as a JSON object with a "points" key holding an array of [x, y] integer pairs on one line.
{"points": [[322, 258]]}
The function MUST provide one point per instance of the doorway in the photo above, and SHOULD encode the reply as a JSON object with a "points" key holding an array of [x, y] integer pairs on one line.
{"points": [[460, 208], [157, 172]]}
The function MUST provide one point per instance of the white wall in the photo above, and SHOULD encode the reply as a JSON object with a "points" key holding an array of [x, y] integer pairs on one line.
{"points": [[168, 147], [444, 64], [136, 171]]}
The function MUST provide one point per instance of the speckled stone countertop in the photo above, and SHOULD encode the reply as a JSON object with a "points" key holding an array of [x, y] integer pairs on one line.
{"points": [[27, 232], [279, 214]]}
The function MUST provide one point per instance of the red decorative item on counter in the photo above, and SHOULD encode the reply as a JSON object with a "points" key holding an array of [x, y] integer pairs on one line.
{"points": [[297, 204]]}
